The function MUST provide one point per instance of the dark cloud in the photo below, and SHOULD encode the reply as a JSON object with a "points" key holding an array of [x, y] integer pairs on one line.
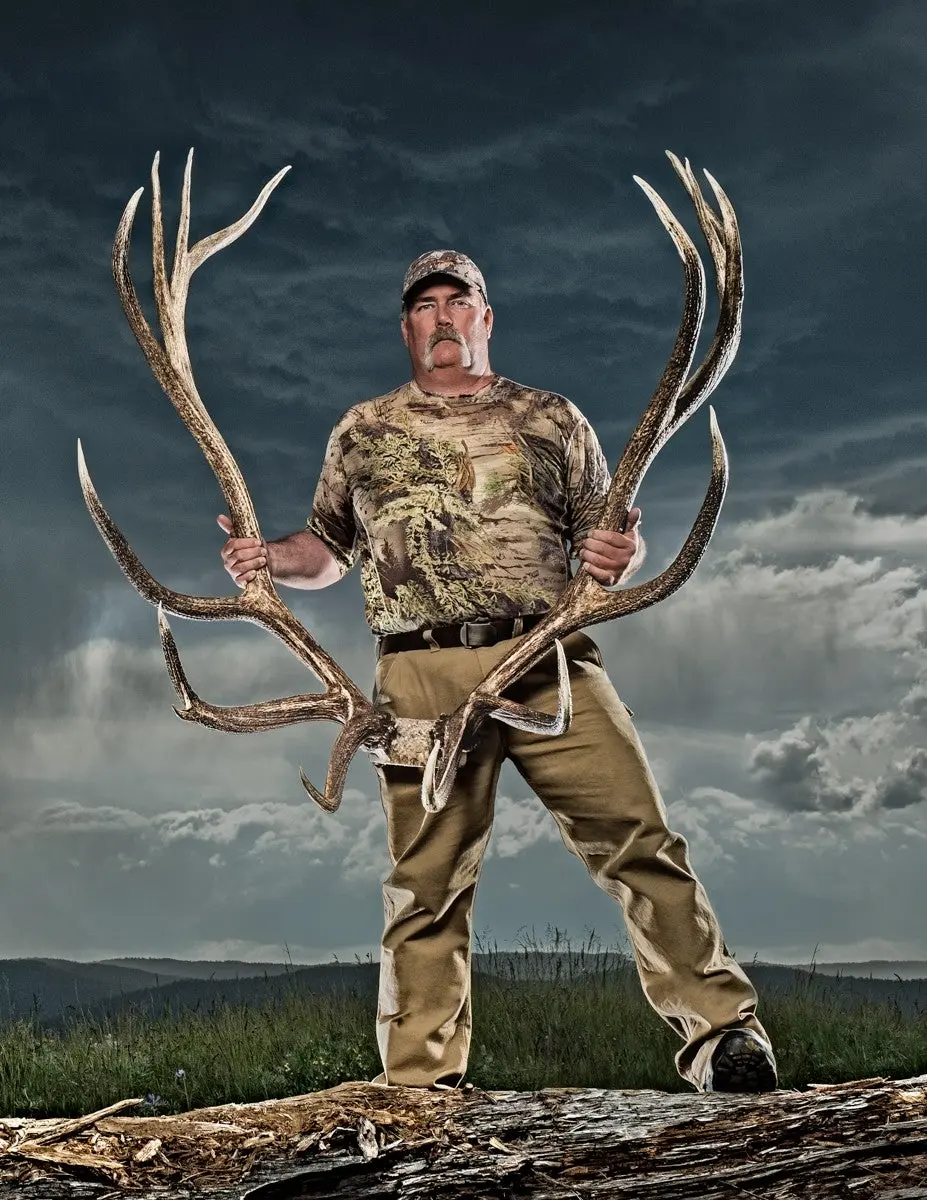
{"points": [[795, 774], [907, 784], [514, 136]]}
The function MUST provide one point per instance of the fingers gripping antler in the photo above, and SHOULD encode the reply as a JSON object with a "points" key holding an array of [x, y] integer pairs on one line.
{"points": [[259, 602], [678, 394]]}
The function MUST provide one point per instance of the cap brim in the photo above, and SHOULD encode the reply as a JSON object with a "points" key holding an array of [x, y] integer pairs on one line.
{"points": [[448, 274]]}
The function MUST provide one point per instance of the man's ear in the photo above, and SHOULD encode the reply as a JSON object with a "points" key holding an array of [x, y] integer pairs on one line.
{"points": [[403, 330], [488, 318]]}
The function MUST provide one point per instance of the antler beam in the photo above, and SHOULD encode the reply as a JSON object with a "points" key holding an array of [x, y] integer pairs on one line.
{"points": [[677, 396]]}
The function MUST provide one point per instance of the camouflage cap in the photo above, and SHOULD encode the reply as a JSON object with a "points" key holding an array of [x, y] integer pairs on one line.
{"points": [[444, 262]]}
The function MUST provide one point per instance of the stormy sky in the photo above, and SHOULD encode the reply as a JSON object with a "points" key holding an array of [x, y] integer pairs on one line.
{"points": [[781, 695]]}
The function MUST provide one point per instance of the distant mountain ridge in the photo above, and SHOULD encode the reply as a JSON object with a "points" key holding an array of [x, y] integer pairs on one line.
{"points": [[877, 968], [56, 991], [176, 968]]}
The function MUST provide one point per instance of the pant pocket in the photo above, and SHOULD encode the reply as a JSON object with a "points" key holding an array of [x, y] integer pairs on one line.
{"points": [[593, 652]]}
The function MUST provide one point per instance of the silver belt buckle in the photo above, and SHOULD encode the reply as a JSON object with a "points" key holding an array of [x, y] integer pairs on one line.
{"points": [[485, 633]]}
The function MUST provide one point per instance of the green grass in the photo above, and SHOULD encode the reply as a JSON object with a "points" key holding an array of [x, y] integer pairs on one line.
{"points": [[553, 1029]]}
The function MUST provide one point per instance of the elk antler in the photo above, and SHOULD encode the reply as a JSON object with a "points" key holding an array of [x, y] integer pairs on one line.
{"points": [[585, 601], [343, 700]]}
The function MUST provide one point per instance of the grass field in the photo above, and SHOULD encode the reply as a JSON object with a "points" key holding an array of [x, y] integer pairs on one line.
{"points": [[565, 1028]]}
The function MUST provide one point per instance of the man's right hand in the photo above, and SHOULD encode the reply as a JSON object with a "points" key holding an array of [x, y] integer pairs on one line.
{"points": [[242, 557]]}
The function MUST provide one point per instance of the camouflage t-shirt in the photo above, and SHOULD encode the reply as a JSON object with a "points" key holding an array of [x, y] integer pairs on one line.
{"points": [[459, 507]]}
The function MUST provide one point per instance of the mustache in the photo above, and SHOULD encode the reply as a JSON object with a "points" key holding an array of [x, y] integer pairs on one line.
{"points": [[444, 335]]}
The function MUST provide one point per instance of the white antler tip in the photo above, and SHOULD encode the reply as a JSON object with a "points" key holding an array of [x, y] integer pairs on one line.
{"points": [[83, 473]]}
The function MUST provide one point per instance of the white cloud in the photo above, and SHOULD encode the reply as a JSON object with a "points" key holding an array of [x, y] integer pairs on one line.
{"points": [[518, 825], [299, 954], [818, 610], [366, 857], [272, 827]]}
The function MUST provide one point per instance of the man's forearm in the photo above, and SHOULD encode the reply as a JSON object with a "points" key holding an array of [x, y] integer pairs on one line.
{"points": [[302, 561]]}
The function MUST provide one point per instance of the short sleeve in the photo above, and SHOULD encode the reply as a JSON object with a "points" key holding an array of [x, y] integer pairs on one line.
{"points": [[332, 516], [587, 482]]}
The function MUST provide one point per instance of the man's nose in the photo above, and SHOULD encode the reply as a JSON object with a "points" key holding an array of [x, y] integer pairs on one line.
{"points": [[443, 316]]}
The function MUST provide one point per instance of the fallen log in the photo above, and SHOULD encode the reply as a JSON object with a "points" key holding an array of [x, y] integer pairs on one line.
{"points": [[866, 1138]]}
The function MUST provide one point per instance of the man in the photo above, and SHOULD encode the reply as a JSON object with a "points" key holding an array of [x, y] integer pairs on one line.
{"points": [[459, 492]]}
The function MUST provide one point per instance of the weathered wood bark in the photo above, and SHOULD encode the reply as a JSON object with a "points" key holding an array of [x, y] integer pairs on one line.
{"points": [[862, 1139]]}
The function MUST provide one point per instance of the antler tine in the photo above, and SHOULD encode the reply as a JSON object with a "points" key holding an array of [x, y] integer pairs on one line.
{"points": [[242, 718], [273, 714], [712, 227], [609, 605], [723, 240], [171, 302], [677, 397], [259, 602], [585, 602], [450, 732]]}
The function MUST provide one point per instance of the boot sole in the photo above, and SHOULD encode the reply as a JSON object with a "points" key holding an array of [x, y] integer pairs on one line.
{"points": [[742, 1067]]}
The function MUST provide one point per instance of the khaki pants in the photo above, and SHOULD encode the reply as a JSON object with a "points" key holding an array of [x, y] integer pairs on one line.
{"points": [[596, 782]]}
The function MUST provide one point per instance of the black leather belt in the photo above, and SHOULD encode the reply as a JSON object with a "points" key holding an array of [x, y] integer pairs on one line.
{"points": [[469, 633]]}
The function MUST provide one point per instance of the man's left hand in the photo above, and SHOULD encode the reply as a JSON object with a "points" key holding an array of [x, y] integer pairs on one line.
{"points": [[607, 555]]}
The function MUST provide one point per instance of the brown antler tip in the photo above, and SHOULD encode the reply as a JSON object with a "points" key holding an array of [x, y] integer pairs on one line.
{"points": [[328, 803]]}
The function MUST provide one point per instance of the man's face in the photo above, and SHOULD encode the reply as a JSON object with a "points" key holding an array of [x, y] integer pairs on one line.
{"points": [[447, 324]]}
